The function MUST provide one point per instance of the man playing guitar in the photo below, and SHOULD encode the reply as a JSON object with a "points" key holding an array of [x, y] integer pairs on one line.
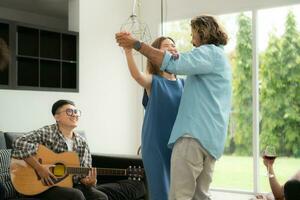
{"points": [[60, 137]]}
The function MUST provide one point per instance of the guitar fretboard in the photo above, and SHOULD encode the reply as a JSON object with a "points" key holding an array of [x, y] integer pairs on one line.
{"points": [[100, 171]]}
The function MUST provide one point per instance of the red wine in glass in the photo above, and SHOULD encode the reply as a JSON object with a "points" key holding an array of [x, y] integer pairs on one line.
{"points": [[269, 154], [269, 157]]}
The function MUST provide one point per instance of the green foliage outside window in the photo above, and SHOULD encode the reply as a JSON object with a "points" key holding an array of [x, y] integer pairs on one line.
{"points": [[280, 91], [241, 116]]}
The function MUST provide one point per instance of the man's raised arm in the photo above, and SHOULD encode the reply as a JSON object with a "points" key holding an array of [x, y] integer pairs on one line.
{"points": [[126, 41]]}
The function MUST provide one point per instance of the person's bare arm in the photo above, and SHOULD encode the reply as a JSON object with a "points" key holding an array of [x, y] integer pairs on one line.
{"points": [[141, 78], [156, 56], [125, 40], [276, 188]]}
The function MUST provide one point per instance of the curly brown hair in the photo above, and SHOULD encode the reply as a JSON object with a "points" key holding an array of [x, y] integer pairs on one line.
{"points": [[4, 55], [209, 30], [151, 68]]}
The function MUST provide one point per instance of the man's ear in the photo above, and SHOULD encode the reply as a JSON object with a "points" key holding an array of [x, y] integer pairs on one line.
{"points": [[56, 117]]}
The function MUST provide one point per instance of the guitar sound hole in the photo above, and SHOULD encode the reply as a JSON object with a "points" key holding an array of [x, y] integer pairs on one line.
{"points": [[58, 170]]}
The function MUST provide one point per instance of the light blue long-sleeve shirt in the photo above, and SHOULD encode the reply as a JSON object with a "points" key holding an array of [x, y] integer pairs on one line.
{"points": [[206, 101]]}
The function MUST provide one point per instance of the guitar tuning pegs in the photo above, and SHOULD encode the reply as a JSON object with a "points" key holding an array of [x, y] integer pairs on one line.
{"points": [[134, 178], [139, 179]]}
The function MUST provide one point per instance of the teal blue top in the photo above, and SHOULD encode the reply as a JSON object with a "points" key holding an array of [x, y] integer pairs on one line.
{"points": [[206, 100]]}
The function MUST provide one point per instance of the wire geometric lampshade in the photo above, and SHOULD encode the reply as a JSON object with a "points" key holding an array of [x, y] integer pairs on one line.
{"points": [[136, 27]]}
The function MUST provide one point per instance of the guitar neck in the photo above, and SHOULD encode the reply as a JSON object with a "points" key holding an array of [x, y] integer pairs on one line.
{"points": [[100, 171]]}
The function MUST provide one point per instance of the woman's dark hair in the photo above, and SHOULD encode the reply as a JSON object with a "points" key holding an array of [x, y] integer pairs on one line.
{"points": [[292, 190], [209, 30], [151, 68]]}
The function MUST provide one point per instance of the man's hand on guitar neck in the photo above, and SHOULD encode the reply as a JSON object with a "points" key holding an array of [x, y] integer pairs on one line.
{"points": [[43, 171], [91, 179]]}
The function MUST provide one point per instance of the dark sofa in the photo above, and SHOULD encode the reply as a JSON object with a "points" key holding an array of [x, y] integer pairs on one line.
{"points": [[99, 161]]}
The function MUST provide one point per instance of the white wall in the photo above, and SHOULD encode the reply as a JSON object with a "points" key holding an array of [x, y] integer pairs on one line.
{"points": [[73, 15], [109, 98], [112, 99], [27, 110], [150, 14]]}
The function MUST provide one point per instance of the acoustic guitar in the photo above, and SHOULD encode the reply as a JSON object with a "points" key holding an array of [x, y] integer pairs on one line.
{"points": [[64, 166]]}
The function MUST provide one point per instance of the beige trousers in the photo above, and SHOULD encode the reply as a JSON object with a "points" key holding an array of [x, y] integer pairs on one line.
{"points": [[191, 171]]}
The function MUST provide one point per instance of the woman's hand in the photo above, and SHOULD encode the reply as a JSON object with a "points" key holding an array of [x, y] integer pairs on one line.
{"points": [[127, 50], [268, 162]]}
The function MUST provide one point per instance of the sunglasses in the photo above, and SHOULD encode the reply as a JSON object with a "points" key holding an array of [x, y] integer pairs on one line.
{"points": [[71, 112]]}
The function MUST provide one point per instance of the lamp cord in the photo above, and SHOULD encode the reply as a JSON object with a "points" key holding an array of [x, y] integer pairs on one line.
{"points": [[162, 16], [133, 7]]}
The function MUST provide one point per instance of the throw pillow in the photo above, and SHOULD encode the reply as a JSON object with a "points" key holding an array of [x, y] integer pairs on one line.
{"points": [[4, 160], [9, 190]]}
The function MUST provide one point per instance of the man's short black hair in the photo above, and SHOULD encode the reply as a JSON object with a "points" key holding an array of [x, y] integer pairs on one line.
{"points": [[292, 190], [59, 104]]}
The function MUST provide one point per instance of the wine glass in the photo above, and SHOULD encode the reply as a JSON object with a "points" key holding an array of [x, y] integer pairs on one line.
{"points": [[269, 154]]}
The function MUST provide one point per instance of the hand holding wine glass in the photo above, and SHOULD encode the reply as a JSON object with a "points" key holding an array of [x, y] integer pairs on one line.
{"points": [[269, 155]]}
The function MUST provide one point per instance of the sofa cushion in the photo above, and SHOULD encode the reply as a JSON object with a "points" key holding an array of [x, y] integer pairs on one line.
{"points": [[10, 137], [4, 160], [9, 191]]}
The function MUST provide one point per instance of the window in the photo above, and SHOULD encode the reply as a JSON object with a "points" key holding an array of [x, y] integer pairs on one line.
{"points": [[279, 51], [4, 35], [41, 59], [238, 148], [279, 94]]}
